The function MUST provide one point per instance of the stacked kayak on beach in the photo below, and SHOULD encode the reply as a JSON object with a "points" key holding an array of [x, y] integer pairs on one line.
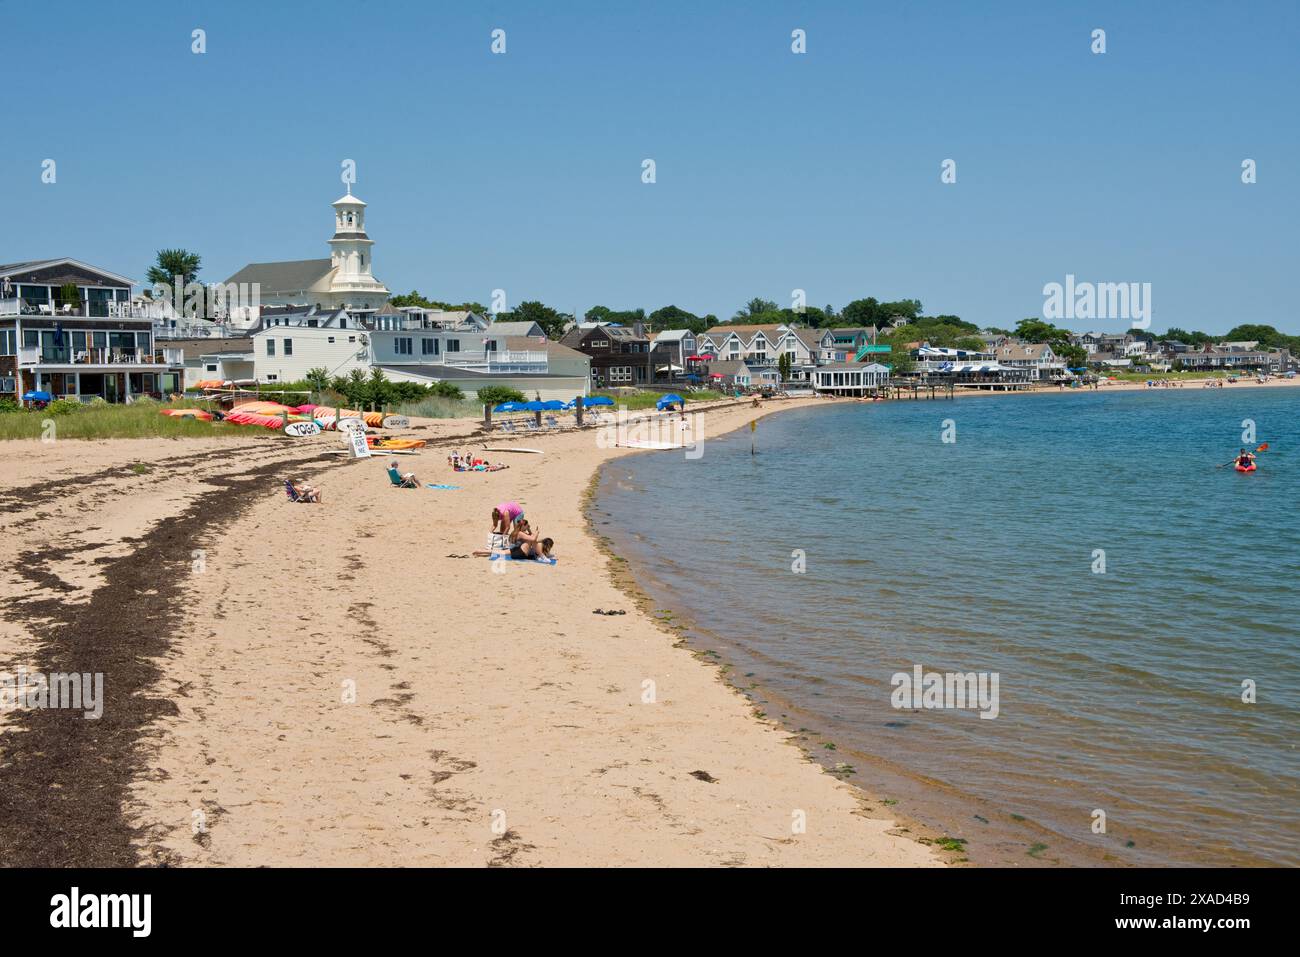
{"points": [[273, 415]]}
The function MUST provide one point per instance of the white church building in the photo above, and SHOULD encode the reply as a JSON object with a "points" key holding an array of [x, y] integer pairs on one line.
{"points": [[343, 281]]}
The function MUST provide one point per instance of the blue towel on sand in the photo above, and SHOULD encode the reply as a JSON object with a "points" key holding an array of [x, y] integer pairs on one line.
{"points": [[531, 561], [450, 487]]}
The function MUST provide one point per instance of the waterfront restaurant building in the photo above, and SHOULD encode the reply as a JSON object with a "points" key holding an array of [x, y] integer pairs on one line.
{"points": [[850, 378]]}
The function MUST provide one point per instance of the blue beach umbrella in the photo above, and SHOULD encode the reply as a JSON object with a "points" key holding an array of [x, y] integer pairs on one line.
{"points": [[534, 406], [552, 405], [591, 400], [37, 396], [670, 399], [511, 407]]}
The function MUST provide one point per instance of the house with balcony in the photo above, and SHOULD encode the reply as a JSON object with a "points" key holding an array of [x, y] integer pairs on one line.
{"points": [[620, 355], [844, 344], [1043, 363], [536, 366], [70, 329]]}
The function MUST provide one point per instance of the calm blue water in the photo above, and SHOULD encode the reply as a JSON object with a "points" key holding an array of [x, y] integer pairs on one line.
{"points": [[1118, 691]]}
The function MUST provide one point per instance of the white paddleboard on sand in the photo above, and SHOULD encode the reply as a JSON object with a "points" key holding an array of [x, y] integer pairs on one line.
{"points": [[515, 449], [657, 446]]}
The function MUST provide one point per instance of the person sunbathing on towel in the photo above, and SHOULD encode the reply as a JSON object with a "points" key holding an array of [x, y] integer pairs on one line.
{"points": [[524, 544], [407, 480]]}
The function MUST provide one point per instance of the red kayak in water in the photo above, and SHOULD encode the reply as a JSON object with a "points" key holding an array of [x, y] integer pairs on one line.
{"points": [[1246, 468]]}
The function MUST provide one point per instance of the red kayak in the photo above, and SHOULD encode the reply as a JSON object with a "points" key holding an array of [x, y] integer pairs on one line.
{"points": [[1246, 468]]}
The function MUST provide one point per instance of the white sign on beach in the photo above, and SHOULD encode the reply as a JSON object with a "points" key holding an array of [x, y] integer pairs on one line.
{"points": [[357, 444], [352, 425], [300, 429], [397, 422]]}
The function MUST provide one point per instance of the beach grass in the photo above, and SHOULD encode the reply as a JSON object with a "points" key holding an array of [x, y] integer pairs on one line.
{"points": [[646, 400], [139, 420], [438, 407]]}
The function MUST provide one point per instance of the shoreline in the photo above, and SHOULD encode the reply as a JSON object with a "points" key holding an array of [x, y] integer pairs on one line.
{"points": [[479, 698], [938, 805]]}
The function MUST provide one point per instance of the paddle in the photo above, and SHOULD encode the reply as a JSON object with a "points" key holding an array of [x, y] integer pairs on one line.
{"points": [[1262, 448]]}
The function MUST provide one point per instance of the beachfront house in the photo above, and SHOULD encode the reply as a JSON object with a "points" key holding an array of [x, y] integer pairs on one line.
{"points": [[761, 346], [620, 356], [844, 344], [850, 378], [730, 375], [670, 352], [69, 329], [536, 366], [206, 359], [1235, 357], [288, 353], [1043, 364]]}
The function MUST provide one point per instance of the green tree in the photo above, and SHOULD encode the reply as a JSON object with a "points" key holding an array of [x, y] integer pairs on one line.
{"points": [[494, 395], [753, 311], [379, 391], [352, 387], [318, 378], [171, 263], [70, 295], [671, 317], [783, 366], [446, 390]]}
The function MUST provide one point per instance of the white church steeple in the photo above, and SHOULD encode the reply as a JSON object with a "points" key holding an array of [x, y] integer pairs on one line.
{"points": [[350, 255]]}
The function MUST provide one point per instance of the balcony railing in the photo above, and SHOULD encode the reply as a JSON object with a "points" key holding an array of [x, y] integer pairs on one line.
{"points": [[495, 359], [83, 310], [33, 356]]}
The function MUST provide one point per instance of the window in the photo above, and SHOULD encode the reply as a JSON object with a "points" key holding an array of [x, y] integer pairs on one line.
{"points": [[312, 323], [428, 347], [620, 373], [490, 345], [403, 345], [330, 339], [352, 338], [211, 368], [7, 342], [453, 345], [270, 347], [288, 347], [272, 378]]}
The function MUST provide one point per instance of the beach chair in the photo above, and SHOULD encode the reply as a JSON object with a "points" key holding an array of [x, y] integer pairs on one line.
{"points": [[292, 492], [507, 426], [552, 422], [400, 481], [530, 425]]}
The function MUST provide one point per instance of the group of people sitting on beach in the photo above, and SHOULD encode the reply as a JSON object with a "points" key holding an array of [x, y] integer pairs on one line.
{"points": [[1164, 384], [466, 462], [510, 530]]}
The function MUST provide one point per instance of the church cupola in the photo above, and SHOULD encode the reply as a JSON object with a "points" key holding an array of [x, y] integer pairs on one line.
{"points": [[350, 246]]}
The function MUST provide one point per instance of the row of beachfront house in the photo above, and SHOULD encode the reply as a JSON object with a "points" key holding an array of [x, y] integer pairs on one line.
{"points": [[73, 330], [741, 356]]}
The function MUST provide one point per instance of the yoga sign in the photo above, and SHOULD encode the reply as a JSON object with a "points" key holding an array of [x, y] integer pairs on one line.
{"points": [[301, 429]]}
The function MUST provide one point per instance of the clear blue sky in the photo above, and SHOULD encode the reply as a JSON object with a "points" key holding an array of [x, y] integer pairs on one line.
{"points": [[775, 171]]}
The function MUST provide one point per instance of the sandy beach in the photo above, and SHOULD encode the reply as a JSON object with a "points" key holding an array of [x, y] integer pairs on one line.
{"points": [[341, 684]]}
